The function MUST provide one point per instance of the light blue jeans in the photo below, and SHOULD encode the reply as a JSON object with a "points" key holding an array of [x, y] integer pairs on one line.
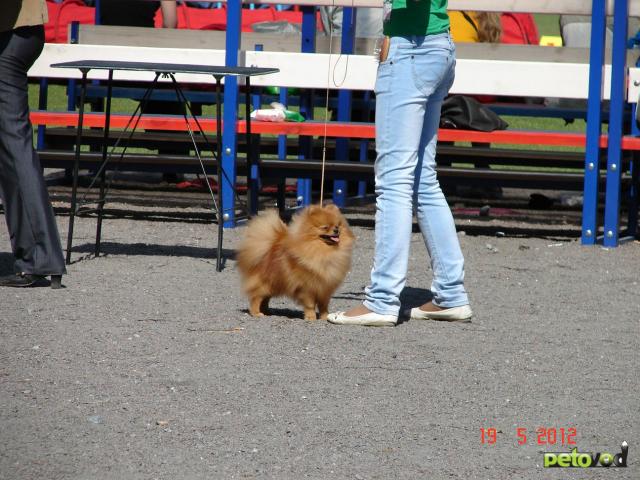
{"points": [[410, 87]]}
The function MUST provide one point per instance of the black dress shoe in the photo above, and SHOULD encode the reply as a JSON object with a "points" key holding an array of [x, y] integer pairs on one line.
{"points": [[19, 280]]}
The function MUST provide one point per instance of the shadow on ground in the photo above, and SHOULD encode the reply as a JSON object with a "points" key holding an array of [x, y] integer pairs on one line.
{"points": [[153, 249]]}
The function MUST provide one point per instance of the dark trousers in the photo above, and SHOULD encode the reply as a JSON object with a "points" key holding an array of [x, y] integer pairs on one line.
{"points": [[32, 226]]}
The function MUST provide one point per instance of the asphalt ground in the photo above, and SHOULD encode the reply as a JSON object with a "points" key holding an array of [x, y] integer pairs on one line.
{"points": [[147, 365]]}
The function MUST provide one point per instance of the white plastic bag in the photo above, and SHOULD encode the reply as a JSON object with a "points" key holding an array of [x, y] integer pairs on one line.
{"points": [[277, 113], [268, 115], [274, 114]]}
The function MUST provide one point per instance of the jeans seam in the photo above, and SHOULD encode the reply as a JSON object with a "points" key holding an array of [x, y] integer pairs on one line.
{"points": [[436, 256]]}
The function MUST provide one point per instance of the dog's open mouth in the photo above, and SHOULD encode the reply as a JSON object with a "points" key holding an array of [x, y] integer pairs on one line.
{"points": [[331, 239]]}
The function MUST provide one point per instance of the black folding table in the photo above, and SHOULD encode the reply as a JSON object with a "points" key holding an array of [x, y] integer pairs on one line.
{"points": [[165, 70]]}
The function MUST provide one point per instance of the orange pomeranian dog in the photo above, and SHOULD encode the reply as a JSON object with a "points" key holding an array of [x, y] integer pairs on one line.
{"points": [[306, 261]]}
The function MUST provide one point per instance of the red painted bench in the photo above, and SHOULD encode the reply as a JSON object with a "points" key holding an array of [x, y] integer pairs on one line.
{"points": [[276, 170], [332, 129]]}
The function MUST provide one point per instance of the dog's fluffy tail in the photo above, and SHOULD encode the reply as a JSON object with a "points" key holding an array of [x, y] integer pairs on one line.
{"points": [[262, 233]]}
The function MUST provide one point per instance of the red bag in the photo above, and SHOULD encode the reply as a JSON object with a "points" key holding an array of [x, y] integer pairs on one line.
{"points": [[519, 28], [216, 18], [62, 14]]}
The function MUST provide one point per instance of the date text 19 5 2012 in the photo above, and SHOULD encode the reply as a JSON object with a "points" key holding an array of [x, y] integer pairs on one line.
{"points": [[540, 436]]}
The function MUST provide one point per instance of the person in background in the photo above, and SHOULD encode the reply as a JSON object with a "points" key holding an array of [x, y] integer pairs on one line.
{"points": [[576, 30], [32, 226], [519, 28], [490, 27], [368, 21], [475, 27], [416, 71]]}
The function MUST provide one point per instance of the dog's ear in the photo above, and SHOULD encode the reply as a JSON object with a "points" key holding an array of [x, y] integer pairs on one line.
{"points": [[331, 207], [311, 209]]}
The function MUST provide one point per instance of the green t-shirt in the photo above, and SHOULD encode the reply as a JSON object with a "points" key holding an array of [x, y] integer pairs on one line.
{"points": [[415, 17]]}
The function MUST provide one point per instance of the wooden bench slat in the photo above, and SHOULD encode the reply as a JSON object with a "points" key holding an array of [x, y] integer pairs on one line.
{"points": [[550, 72]]}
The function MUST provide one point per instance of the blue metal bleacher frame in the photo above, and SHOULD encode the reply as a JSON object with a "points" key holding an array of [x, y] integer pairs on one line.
{"points": [[595, 118], [612, 235]]}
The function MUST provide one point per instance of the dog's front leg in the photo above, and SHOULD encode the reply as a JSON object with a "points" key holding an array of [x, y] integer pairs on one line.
{"points": [[323, 308], [309, 305], [255, 306], [264, 305]]}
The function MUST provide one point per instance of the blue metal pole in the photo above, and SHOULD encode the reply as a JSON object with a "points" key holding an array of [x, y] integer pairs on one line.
{"points": [[632, 219], [616, 116], [254, 175], [283, 95], [306, 104], [256, 98], [632, 229], [71, 84], [594, 123], [282, 139], [230, 115], [344, 103]]}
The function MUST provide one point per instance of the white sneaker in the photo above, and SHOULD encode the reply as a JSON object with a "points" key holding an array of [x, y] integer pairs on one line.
{"points": [[455, 314], [370, 319]]}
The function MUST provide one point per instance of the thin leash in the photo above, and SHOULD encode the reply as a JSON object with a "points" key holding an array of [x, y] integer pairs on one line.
{"points": [[326, 111], [326, 104]]}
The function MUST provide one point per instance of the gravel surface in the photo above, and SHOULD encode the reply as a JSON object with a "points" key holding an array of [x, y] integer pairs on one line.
{"points": [[147, 364]]}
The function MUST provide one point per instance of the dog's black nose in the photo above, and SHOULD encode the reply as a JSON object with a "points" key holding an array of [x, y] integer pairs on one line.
{"points": [[336, 230]]}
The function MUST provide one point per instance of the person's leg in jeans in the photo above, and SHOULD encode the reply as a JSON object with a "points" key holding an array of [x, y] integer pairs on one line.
{"points": [[410, 88], [399, 118], [433, 212], [32, 227]]}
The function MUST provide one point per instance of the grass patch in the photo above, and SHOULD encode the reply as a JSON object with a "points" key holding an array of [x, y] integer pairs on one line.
{"points": [[548, 24]]}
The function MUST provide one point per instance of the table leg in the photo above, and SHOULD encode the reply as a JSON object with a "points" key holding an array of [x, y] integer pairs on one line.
{"points": [[105, 141], [76, 166], [281, 197], [219, 173]]}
